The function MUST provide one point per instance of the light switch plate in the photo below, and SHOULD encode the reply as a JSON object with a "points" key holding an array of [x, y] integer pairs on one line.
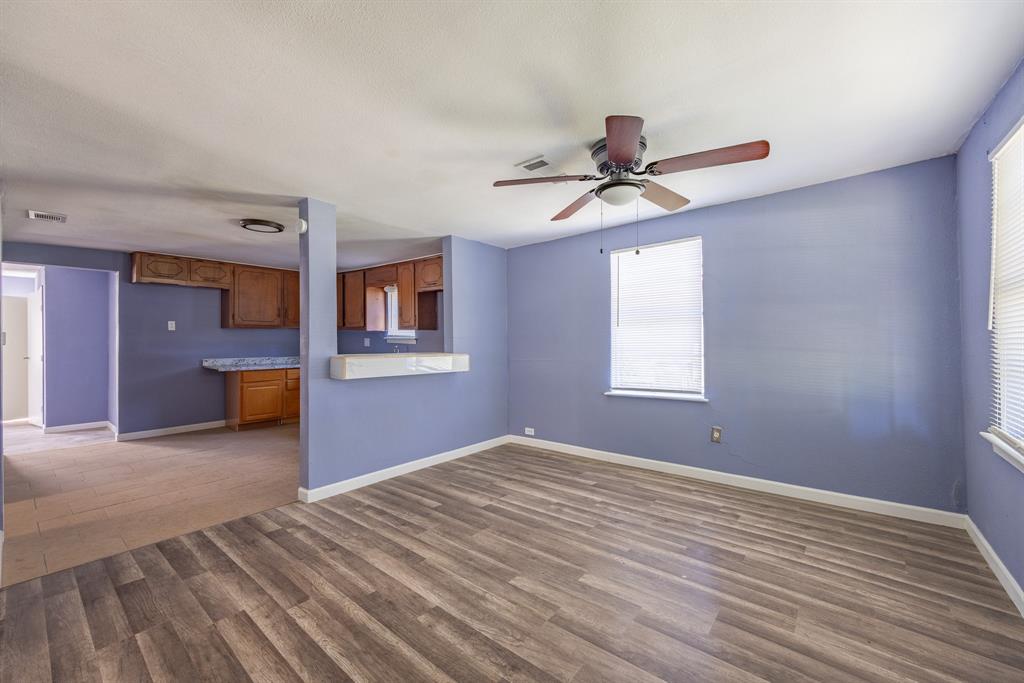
{"points": [[528, 431], [366, 342], [170, 326]]}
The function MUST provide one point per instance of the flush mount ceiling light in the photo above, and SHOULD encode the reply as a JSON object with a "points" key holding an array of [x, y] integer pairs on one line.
{"points": [[260, 225]]}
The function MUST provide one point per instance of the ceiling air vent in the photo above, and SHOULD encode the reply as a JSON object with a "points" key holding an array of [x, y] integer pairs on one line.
{"points": [[533, 163], [47, 216]]}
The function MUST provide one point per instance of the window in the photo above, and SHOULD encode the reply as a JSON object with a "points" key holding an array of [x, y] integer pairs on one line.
{"points": [[657, 307], [394, 334], [1006, 320]]}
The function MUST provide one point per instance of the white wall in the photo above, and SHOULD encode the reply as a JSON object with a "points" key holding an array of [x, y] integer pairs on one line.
{"points": [[15, 373]]}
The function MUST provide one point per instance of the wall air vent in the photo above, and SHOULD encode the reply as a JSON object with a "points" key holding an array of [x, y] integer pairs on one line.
{"points": [[47, 216]]}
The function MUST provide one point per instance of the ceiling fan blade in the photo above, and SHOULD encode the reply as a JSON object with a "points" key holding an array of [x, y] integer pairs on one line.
{"points": [[574, 207], [622, 136], [749, 151], [547, 179], [663, 197]]}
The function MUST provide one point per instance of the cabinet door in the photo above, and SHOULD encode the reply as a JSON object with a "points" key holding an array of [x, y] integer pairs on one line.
{"points": [[256, 296], [382, 276], [159, 268], [290, 406], [210, 273], [291, 299], [261, 401], [406, 296], [355, 300], [429, 274], [341, 300]]}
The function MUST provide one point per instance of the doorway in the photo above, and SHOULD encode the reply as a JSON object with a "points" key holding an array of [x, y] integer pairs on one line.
{"points": [[22, 343], [56, 342]]}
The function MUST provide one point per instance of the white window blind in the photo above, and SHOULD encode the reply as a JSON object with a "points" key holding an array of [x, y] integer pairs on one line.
{"points": [[658, 319], [1007, 312]]}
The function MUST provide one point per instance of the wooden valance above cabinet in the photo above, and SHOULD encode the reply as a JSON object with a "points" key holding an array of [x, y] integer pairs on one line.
{"points": [[258, 297]]}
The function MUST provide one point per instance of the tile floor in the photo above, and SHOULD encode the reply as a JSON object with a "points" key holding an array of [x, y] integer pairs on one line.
{"points": [[71, 505], [26, 438]]}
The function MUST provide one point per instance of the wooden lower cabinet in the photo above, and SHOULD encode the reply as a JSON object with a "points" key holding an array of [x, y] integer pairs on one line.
{"points": [[290, 409], [261, 397]]}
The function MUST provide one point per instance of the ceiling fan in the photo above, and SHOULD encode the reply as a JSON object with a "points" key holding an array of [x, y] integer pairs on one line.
{"points": [[619, 155]]}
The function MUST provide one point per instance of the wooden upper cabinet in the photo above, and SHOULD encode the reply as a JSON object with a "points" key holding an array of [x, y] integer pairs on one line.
{"points": [[210, 273], [382, 276], [256, 297], [354, 310], [340, 300], [429, 274], [291, 298], [159, 268], [406, 296]]}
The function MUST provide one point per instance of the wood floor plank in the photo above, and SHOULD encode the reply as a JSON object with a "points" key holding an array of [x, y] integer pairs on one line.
{"points": [[519, 564]]}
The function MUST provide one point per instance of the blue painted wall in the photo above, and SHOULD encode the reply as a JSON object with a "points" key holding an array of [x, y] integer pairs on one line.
{"points": [[995, 489], [77, 346], [831, 340], [372, 424], [160, 380]]}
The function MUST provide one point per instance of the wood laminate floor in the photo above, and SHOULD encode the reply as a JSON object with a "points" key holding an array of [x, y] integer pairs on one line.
{"points": [[67, 506], [518, 564]]}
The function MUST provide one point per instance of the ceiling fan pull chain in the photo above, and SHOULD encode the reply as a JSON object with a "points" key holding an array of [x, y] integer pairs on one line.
{"points": [[602, 227], [637, 226]]}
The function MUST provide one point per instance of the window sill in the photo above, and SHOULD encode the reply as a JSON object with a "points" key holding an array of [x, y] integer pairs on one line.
{"points": [[1004, 450], [663, 395], [400, 340]]}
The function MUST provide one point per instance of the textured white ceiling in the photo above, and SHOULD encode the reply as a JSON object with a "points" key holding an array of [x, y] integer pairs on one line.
{"points": [[157, 125]]}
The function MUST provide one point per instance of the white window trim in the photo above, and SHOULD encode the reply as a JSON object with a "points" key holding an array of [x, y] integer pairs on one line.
{"points": [[689, 396], [395, 335], [663, 395], [1005, 446]]}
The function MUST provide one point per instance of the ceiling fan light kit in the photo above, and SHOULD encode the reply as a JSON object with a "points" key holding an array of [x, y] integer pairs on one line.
{"points": [[619, 192], [619, 155]]}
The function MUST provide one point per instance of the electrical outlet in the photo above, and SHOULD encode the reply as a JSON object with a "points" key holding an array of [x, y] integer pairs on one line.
{"points": [[366, 342], [716, 435], [170, 326], [528, 431]]}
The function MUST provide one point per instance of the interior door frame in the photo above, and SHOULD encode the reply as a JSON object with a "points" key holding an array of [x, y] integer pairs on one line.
{"points": [[37, 413]]}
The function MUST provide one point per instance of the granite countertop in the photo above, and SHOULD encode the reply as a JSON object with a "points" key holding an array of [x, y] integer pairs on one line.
{"points": [[254, 363]]}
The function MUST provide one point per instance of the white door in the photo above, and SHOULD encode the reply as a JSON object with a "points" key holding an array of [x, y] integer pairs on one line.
{"points": [[34, 316], [15, 355]]}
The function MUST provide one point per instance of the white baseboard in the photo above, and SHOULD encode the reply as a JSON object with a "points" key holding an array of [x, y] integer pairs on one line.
{"points": [[16, 421], [179, 429], [58, 429], [321, 492], [1010, 585], [882, 507]]}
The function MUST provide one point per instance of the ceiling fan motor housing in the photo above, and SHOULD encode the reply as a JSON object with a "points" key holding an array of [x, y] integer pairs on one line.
{"points": [[599, 153]]}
